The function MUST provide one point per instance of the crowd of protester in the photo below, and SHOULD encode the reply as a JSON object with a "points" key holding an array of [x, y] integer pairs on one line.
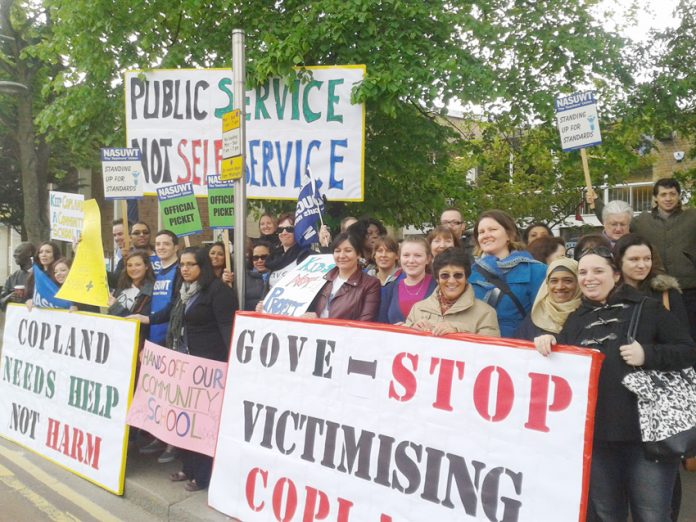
{"points": [[497, 281]]}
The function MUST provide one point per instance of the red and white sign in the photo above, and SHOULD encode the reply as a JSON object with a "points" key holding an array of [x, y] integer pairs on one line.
{"points": [[344, 421]]}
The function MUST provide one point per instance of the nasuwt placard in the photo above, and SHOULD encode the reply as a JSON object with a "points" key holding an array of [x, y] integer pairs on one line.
{"points": [[66, 381], [175, 118], [347, 421]]}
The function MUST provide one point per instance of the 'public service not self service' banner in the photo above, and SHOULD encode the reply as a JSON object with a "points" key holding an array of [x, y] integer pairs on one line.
{"points": [[336, 420]]}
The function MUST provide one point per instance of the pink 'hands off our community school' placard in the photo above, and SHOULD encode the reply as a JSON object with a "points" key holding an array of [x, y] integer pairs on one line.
{"points": [[178, 398]]}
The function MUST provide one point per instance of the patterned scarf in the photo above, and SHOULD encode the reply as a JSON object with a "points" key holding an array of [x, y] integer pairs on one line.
{"points": [[175, 331]]}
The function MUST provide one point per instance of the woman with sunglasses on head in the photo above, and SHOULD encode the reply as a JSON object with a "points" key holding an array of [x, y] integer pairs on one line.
{"points": [[452, 307], [290, 253], [200, 324], [505, 276], [413, 284], [349, 293], [620, 475], [558, 297], [257, 276]]}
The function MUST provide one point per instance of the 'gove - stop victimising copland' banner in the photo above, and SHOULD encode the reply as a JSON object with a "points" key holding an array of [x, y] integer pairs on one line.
{"points": [[66, 381], [329, 420], [175, 118]]}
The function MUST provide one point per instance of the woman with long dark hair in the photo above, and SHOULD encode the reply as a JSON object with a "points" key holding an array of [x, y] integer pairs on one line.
{"points": [[200, 323]]}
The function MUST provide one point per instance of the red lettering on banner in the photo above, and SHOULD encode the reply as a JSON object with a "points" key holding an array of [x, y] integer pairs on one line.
{"points": [[290, 500], [74, 443], [218, 156], [196, 160], [539, 399], [251, 487], [317, 505], [404, 376], [504, 393], [182, 154], [444, 380], [385, 518], [313, 512]]}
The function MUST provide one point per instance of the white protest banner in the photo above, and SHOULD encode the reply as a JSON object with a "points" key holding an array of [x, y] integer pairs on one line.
{"points": [[178, 398], [67, 378], [65, 211], [174, 118], [578, 122], [376, 423], [122, 173], [293, 294]]}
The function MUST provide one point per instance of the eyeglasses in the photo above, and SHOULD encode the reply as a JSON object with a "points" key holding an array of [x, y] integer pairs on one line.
{"points": [[450, 222], [262, 257], [458, 276], [188, 265], [289, 230], [600, 251], [140, 233]]}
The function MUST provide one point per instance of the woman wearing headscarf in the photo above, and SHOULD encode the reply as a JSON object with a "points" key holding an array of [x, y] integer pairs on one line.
{"points": [[558, 297]]}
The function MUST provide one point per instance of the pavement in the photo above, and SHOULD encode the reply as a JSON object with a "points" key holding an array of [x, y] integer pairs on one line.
{"points": [[148, 486]]}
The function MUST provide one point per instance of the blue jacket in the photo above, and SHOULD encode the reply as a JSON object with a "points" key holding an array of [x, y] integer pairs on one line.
{"points": [[389, 309], [522, 273]]}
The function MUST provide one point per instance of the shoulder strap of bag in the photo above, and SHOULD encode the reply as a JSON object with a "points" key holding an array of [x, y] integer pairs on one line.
{"points": [[665, 299], [502, 285], [635, 318]]}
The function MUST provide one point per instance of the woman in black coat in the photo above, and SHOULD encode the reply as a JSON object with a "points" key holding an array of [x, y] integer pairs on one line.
{"points": [[200, 324], [620, 475]]}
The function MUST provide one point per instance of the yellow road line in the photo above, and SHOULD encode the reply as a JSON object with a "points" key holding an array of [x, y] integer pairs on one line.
{"points": [[84, 503], [43, 505]]}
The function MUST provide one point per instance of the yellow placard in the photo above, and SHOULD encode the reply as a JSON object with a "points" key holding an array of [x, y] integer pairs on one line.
{"points": [[232, 168], [230, 120], [86, 282]]}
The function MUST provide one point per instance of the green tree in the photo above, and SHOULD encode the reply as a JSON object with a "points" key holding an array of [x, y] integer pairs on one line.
{"points": [[505, 57], [30, 158]]}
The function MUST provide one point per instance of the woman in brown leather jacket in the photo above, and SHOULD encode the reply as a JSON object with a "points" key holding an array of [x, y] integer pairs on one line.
{"points": [[349, 293]]}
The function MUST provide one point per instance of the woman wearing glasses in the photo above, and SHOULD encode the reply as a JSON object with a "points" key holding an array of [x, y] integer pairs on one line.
{"points": [[620, 475], [200, 323], [290, 253], [505, 276], [257, 276], [452, 308]]}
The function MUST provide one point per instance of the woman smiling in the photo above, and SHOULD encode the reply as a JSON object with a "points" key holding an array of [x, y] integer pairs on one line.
{"points": [[413, 285], [558, 297], [452, 307], [621, 476], [349, 293]]}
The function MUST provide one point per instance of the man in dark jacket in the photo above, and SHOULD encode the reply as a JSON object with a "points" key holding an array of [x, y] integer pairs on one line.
{"points": [[14, 289], [672, 231]]}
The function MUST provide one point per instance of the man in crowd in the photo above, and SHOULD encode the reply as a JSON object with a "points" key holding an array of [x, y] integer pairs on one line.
{"points": [[452, 219], [119, 233], [672, 231], [14, 289]]}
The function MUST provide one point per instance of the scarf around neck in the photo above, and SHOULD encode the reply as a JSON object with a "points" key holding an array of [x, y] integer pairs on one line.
{"points": [[175, 331]]}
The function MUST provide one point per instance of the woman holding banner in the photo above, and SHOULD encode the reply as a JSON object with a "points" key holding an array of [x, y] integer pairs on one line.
{"points": [[46, 254], [411, 286], [133, 294], [45, 287], [349, 293], [290, 254], [452, 308], [620, 474], [200, 324]]}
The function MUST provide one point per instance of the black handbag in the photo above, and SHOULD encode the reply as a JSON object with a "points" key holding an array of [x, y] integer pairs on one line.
{"points": [[666, 407]]}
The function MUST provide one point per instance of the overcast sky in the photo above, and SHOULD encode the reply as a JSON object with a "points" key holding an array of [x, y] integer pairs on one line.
{"points": [[650, 14]]}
